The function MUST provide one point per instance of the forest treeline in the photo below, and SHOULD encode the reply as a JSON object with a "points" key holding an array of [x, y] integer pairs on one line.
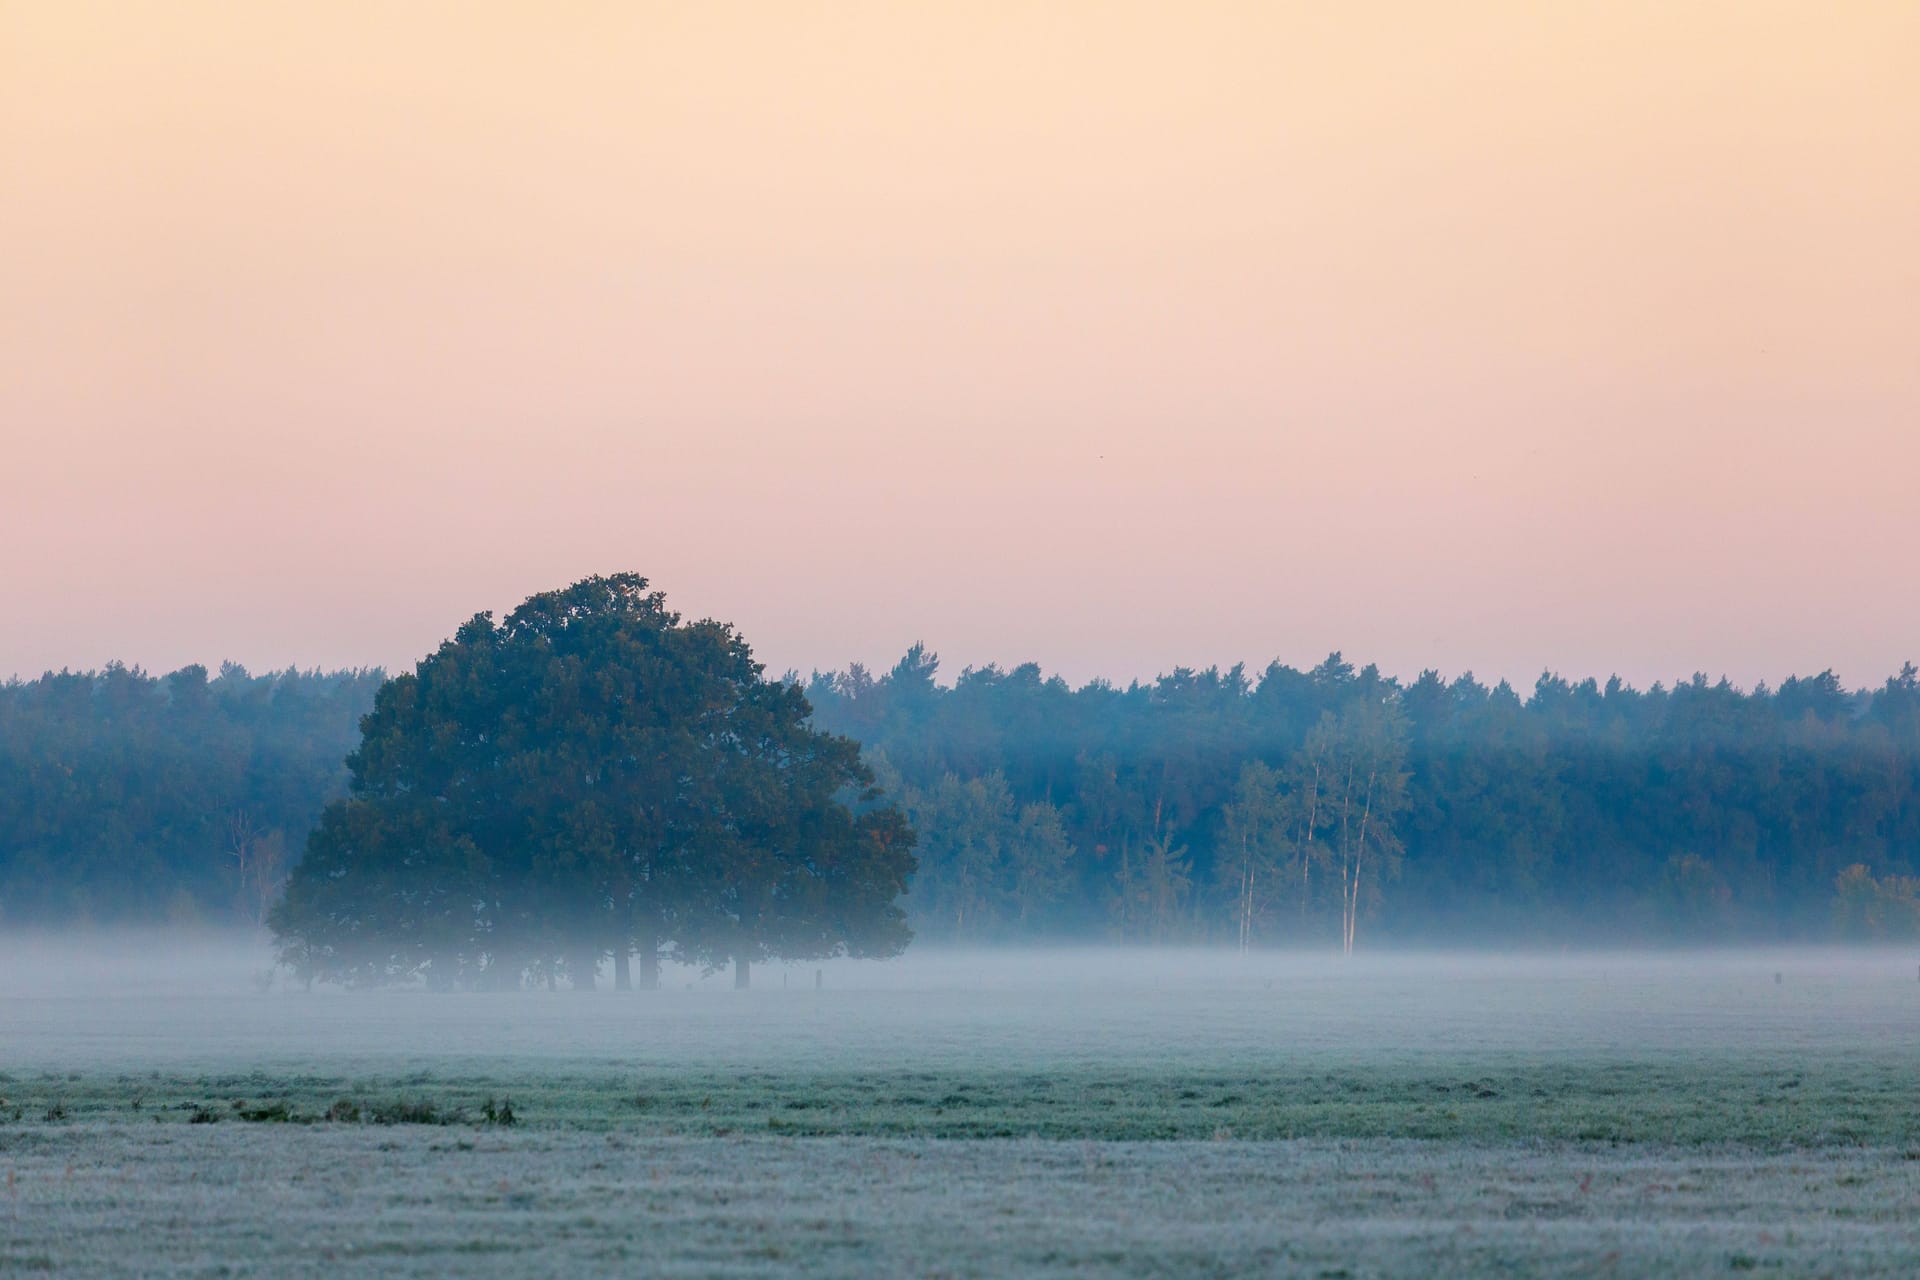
{"points": [[1277, 807], [181, 798], [1214, 804]]}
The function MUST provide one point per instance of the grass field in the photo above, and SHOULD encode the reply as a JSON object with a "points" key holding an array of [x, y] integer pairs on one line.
{"points": [[1082, 1113]]}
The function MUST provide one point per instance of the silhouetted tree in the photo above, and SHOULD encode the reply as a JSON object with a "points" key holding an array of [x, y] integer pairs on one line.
{"points": [[589, 776]]}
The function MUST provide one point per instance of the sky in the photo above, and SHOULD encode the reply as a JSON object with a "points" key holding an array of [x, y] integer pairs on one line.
{"points": [[1489, 336]]}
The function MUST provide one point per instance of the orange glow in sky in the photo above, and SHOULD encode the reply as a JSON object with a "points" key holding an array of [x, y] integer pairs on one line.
{"points": [[1498, 336]]}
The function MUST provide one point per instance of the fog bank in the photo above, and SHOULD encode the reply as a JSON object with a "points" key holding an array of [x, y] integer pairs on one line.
{"points": [[82, 1002]]}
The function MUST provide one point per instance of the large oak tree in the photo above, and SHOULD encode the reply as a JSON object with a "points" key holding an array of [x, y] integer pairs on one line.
{"points": [[593, 776]]}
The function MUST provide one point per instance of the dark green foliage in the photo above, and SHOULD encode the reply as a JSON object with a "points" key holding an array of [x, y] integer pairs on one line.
{"points": [[1699, 812], [411, 1111], [989, 868], [592, 776], [1713, 1098], [126, 797], [1581, 811]]}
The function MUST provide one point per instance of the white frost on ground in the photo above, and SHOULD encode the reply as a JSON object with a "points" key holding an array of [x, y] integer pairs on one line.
{"points": [[125, 1200], [108, 1192]]}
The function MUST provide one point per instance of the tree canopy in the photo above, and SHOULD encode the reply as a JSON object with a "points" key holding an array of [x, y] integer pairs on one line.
{"points": [[1294, 807], [129, 797], [593, 776], [1192, 807]]}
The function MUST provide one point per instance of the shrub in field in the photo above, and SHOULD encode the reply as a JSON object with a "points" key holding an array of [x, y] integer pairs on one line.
{"points": [[415, 1111]]}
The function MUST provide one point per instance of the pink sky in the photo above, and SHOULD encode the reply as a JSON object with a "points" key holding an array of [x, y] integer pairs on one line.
{"points": [[1490, 336]]}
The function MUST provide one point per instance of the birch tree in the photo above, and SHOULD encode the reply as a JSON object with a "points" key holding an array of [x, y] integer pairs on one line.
{"points": [[1364, 752], [1258, 840]]}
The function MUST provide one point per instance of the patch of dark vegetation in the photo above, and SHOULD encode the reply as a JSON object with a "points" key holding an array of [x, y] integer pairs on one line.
{"points": [[1842, 1100], [411, 1111], [55, 1113]]}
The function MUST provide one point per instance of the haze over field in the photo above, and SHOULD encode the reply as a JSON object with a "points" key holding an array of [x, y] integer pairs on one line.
{"points": [[1090, 639], [1490, 336], [1092, 1112], [199, 1002]]}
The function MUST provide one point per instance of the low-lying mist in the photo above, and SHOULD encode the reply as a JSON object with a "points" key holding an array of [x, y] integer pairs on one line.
{"points": [[146, 1000]]}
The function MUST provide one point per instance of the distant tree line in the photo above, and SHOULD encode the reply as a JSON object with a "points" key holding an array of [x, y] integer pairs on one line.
{"points": [[1278, 807], [183, 798], [1290, 806]]}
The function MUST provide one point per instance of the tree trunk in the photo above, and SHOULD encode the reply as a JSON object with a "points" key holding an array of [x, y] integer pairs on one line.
{"points": [[1359, 858], [742, 974], [622, 974], [650, 967]]}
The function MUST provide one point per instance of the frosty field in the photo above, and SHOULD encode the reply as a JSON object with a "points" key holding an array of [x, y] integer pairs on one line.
{"points": [[972, 1114]]}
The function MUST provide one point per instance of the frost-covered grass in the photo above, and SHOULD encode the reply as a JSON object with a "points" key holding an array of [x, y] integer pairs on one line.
{"points": [[1074, 1113], [1755, 1100], [119, 1199]]}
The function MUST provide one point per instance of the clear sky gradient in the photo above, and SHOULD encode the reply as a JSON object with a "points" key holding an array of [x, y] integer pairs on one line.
{"points": [[1469, 335]]}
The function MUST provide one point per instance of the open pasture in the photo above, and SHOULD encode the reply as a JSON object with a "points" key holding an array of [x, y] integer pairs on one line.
{"points": [[974, 1114]]}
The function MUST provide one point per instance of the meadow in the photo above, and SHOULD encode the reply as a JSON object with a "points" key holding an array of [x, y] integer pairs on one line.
{"points": [[1073, 1113]]}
